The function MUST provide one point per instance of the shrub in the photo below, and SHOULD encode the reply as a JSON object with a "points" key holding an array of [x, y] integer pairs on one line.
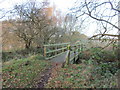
{"points": [[20, 54], [104, 56], [105, 75], [110, 67], [99, 55]]}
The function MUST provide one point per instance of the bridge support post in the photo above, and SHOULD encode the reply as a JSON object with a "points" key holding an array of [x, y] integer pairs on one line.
{"points": [[45, 51], [74, 54], [81, 47], [56, 51], [63, 49], [68, 56], [78, 51]]}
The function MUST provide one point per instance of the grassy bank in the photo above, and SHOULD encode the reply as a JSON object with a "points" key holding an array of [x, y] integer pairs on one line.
{"points": [[88, 74], [22, 73]]}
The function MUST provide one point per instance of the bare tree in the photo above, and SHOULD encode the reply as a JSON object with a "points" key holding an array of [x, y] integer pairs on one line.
{"points": [[104, 12], [69, 25], [25, 25], [34, 24]]}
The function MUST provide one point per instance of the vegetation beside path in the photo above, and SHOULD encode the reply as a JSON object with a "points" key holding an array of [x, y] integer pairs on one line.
{"points": [[88, 74], [22, 73], [93, 70]]}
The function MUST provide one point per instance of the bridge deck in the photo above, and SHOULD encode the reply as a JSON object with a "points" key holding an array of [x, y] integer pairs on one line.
{"points": [[61, 58]]}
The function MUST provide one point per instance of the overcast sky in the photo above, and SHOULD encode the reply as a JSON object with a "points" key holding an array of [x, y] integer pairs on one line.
{"points": [[62, 5]]}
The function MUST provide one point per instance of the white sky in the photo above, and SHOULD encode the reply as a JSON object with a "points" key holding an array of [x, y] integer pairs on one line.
{"points": [[63, 5]]}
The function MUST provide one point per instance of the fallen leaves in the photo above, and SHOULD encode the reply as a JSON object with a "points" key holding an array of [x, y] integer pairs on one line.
{"points": [[17, 76], [67, 77]]}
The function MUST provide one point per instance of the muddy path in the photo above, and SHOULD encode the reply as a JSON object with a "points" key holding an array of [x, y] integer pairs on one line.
{"points": [[45, 75]]}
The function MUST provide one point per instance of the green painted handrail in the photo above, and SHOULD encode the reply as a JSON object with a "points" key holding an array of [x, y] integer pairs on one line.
{"points": [[61, 44], [57, 47], [56, 50], [61, 48]]}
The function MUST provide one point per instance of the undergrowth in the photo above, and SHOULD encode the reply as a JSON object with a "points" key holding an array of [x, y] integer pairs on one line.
{"points": [[20, 54], [88, 74], [22, 73], [97, 69]]}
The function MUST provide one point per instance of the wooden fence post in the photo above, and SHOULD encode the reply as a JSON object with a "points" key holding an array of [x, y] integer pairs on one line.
{"points": [[78, 51], [63, 49], [56, 49], [74, 54], [45, 51], [81, 47], [68, 55], [78, 48]]}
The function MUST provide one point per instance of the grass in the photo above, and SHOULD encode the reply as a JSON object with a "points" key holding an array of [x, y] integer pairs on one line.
{"points": [[84, 75], [22, 73], [72, 76]]}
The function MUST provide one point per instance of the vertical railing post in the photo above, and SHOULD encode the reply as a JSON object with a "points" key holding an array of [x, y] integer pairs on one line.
{"points": [[62, 47], [45, 51], [81, 47], [74, 54], [78, 51], [68, 56], [56, 51], [78, 48]]}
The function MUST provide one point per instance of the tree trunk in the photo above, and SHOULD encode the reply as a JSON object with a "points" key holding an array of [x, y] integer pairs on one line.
{"points": [[27, 44]]}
